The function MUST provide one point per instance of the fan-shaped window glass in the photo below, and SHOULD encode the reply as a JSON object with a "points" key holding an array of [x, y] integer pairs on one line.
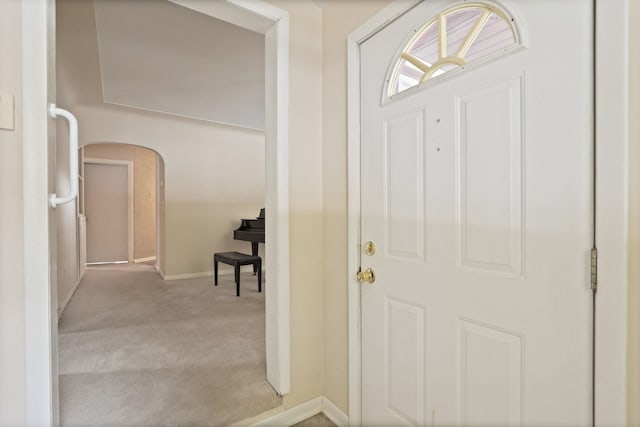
{"points": [[454, 38]]}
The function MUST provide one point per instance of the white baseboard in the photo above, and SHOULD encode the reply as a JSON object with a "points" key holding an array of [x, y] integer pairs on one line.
{"points": [[149, 258], [68, 298], [221, 272], [293, 415], [299, 413], [187, 275], [334, 413]]}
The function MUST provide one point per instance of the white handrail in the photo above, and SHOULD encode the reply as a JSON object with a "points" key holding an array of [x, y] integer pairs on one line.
{"points": [[54, 200]]}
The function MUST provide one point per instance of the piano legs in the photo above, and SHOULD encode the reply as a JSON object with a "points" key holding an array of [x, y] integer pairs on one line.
{"points": [[254, 252]]}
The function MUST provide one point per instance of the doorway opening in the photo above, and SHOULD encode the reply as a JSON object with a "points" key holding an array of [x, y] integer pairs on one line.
{"points": [[216, 170], [121, 190], [261, 17], [111, 226]]}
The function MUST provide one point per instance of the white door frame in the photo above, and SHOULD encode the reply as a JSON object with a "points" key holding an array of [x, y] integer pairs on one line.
{"points": [[129, 165], [38, 17], [259, 16], [611, 125]]}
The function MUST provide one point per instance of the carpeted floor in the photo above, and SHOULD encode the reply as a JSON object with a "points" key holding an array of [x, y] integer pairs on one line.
{"points": [[319, 420], [139, 351]]}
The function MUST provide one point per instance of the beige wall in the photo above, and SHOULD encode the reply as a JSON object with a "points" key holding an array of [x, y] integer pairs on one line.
{"points": [[144, 203], [160, 230], [305, 181], [634, 216], [340, 18], [144, 191], [12, 328]]}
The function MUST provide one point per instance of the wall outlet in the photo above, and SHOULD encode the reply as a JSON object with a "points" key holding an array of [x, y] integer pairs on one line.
{"points": [[7, 111]]}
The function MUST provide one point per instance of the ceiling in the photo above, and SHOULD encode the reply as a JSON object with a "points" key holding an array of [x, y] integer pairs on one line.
{"points": [[160, 56]]}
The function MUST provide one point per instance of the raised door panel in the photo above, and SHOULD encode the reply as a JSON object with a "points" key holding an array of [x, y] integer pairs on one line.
{"points": [[490, 178], [403, 145], [404, 361], [489, 372]]}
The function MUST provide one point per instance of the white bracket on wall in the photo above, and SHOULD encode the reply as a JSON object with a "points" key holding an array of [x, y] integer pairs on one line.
{"points": [[54, 199]]}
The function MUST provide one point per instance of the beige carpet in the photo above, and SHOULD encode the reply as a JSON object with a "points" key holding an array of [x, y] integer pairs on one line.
{"points": [[138, 351], [319, 420]]}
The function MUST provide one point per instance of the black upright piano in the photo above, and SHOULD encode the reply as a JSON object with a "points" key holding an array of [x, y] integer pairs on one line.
{"points": [[251, 230]]}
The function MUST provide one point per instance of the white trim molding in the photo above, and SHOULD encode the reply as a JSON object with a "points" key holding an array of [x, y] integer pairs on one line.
{"points": [[65, 303], [224, 272], [291, 416], [612, 123], [334, 413], [612, 196], [354, 40], [41, 372], [186, 275], [146, 259], [277, 310], [130, 184]]}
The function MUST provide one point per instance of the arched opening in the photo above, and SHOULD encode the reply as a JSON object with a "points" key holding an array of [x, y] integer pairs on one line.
{"points": [[122, 192]]}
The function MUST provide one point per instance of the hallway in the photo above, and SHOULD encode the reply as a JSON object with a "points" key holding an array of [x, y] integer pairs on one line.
{"points": [[137, 350]]}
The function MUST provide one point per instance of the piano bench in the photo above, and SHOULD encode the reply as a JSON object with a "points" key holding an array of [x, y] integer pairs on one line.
{"points": [[237, 260]]}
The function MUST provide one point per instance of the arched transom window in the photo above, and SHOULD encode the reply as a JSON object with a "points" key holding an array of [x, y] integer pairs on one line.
{"points": [[456, 37]]}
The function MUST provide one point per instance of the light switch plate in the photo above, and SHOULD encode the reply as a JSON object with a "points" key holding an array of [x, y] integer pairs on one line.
{"points": [[7, 111]]}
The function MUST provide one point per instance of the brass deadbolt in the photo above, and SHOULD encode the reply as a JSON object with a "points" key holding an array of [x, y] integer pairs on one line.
{"points": [[369, 248]]}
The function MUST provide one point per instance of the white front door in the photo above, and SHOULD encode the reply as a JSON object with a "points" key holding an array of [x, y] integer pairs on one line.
{"points": [[476, 189]]}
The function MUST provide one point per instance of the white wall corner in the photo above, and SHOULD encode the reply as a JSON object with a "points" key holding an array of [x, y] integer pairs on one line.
{"points": [[65, 303], [334, 413], [320, 3], [160, 272], [291, 416]]}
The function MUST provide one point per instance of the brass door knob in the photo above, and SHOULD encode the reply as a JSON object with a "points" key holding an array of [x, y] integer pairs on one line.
{"points": [[369, 248], [368, 276]]}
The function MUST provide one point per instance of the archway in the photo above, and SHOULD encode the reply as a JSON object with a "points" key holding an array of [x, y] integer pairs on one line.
{"points": [[146, 216]]}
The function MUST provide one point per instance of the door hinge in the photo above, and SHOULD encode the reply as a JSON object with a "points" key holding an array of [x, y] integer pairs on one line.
{"points": [[594, 269]]}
